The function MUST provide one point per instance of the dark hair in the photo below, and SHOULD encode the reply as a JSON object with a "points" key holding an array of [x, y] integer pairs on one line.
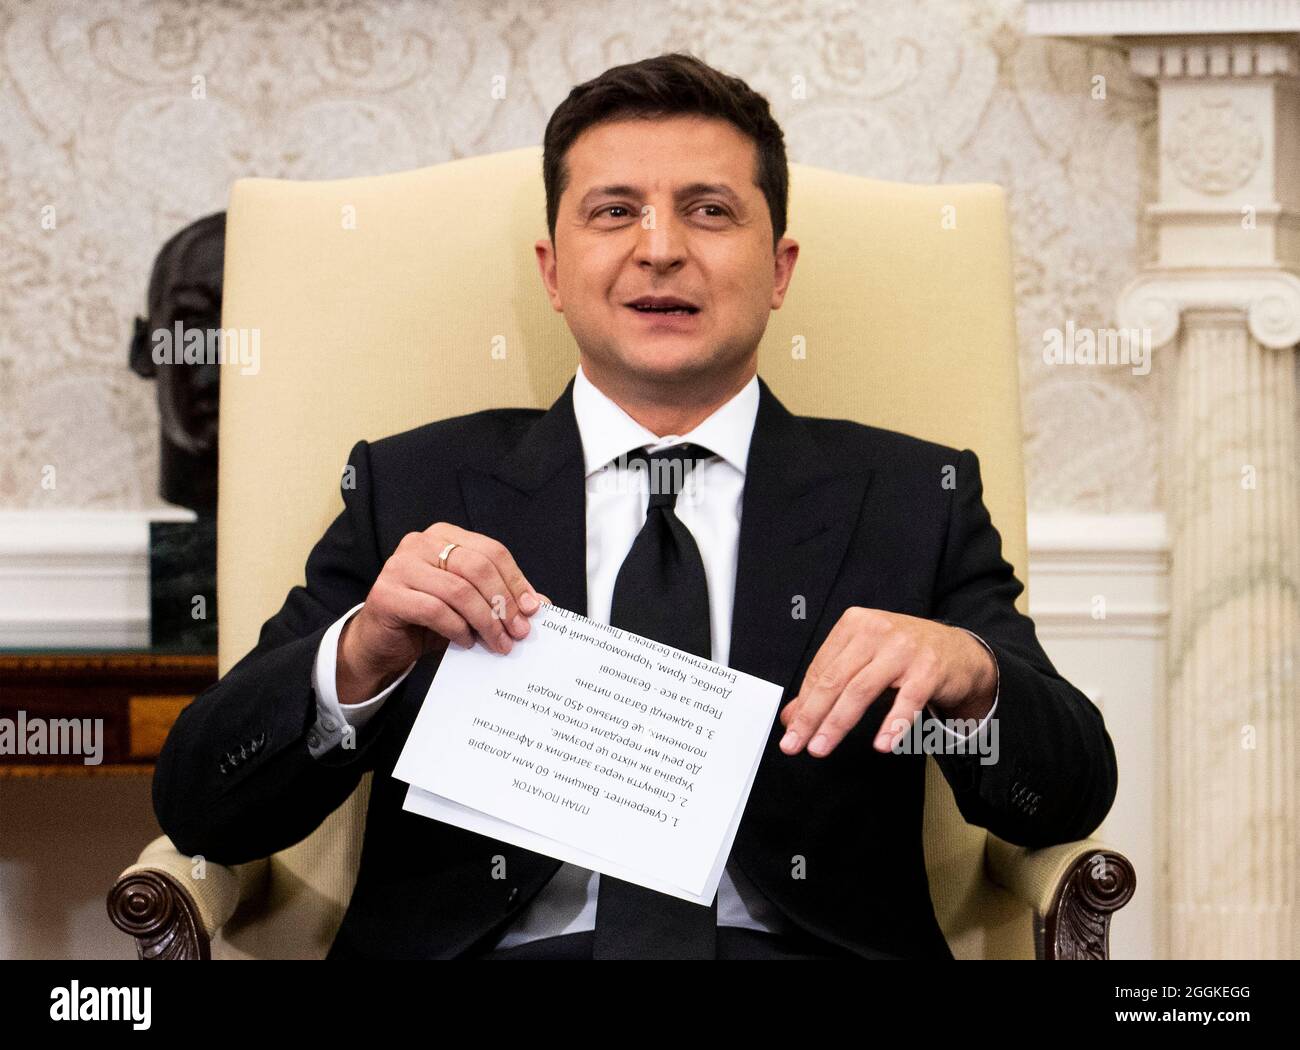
{"points": [[667, 85]]}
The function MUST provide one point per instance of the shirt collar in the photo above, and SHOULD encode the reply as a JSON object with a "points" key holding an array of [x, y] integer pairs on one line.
{"points": [[607, 431]]}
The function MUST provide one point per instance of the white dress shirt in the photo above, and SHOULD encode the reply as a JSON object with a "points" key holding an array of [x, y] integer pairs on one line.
{"points": [[709, 506]]}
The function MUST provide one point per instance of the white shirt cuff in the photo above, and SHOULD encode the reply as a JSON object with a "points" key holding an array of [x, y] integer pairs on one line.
{"points": [[336, 721], [997, 692]]}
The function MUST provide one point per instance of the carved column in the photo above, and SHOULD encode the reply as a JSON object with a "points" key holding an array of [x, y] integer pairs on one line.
{"points": [[1223, 296], [1231, 716]]}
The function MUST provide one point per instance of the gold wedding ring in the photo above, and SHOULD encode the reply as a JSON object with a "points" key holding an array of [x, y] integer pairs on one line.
{"points": [[442, 558]]}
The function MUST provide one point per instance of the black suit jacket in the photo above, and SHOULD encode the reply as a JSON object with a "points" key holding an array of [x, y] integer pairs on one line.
{"points": [[836, 512]]}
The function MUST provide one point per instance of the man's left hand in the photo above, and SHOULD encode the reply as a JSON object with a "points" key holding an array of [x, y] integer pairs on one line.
{"points": [[869, 651]]}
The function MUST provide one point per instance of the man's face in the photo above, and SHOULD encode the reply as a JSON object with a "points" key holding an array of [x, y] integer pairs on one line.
{"points": [[665, 208]]}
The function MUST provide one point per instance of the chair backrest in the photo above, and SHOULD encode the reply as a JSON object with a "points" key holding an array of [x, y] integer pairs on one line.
{"points": [[384, 302]]}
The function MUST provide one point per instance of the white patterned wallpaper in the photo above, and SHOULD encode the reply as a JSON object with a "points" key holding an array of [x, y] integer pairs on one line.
{"points": [[98, 122]]}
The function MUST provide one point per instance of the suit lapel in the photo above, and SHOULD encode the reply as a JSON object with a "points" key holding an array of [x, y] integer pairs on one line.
{"points": [[535, 502], [798, 514]]}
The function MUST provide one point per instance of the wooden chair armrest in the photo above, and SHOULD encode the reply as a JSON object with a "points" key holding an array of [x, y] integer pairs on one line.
{"points": [[172, 913], [1073, 889]]}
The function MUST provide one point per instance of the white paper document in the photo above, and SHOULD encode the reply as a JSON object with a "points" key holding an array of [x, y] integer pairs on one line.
{"points": [[594, 746]]}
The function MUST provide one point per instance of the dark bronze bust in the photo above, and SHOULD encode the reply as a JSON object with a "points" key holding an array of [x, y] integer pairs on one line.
{"points": [[185, 289], [184, 297]]}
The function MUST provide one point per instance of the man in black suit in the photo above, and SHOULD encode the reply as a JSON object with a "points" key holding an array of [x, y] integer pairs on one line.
{"points": [[855, 567]]}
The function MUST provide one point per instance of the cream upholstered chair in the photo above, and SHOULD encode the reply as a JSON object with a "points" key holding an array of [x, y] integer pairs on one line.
{"points": [[386, 302]]}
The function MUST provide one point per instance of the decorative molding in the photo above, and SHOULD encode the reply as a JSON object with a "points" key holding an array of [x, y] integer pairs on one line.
{"points": [[1214, 146], [1076, 558], [1112, 537], [1270, 300], [1218, 214], [1076, 622], [1107, 18], [77, 579], [1195, 61]]}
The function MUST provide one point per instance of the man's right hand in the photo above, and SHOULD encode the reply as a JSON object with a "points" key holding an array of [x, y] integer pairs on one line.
{"points": [[415, 607]]}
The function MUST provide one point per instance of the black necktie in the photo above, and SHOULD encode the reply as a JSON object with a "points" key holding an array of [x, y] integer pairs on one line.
{"points": [[661, 592]]}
